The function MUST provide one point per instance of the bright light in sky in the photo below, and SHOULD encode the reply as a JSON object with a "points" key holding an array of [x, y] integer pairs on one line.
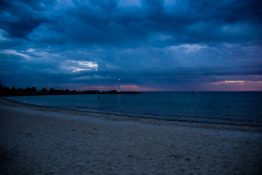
{"points": [[79, 66]]}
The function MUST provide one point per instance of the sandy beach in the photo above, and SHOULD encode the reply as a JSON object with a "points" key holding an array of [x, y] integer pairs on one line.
{"points": [[41, 140]]}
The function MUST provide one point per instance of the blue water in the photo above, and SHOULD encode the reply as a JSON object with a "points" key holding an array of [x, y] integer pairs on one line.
{"points": [[243, 107]]}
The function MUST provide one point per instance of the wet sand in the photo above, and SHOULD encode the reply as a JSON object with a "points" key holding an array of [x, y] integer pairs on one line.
{"points": [[41, 140]]}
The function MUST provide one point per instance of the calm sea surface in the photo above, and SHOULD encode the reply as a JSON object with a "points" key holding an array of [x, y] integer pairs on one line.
{"points": [[245, 107]]}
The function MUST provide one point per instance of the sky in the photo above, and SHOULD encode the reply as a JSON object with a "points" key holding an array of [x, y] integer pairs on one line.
{"points": [[143, 45]]}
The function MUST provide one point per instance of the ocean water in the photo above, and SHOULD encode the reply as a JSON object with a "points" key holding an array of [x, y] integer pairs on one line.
{"points": [[244, 107]]}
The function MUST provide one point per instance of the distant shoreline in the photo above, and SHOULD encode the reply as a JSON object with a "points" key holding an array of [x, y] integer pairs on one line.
{"points": [[126, 92], [32, 91]]}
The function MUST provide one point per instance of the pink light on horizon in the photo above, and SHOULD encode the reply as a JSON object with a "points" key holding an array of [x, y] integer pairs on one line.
{"points": [[237, 85], [124, 87], [223, 85]]}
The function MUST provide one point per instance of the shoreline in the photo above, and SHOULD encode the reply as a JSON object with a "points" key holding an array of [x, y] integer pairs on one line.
{"points": [[198, 121], [42, 140]]}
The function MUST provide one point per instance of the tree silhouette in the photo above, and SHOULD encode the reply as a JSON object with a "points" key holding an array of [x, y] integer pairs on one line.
{"points": [[29, 91]]}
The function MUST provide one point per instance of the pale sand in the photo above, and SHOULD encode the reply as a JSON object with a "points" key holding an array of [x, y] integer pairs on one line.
{"points": [[38, 140]]}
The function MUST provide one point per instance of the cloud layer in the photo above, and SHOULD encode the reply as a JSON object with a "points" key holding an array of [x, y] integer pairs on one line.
{"points": [[150, 44]]}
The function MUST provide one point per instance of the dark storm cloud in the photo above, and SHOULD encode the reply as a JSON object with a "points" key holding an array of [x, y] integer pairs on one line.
{"points": [[191, 21], [141, 41], [19, 18], [98, 22]]}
